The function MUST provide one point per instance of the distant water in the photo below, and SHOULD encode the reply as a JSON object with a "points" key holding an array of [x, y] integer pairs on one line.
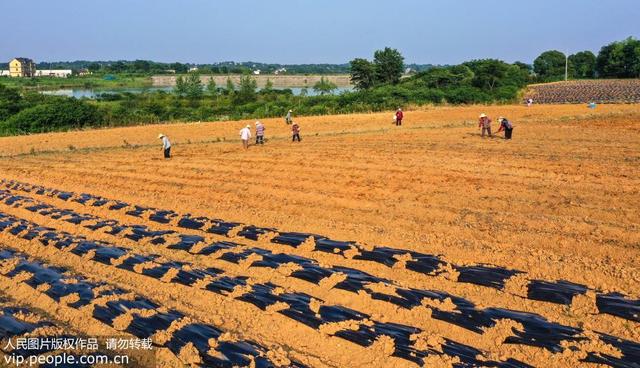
{"points": [[93, 93]]}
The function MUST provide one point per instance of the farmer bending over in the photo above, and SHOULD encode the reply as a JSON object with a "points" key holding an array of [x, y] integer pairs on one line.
{"points": [[485, 124], [506, 126]]}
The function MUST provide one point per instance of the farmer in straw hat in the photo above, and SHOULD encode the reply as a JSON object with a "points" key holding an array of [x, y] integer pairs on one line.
{"points": [[485, 124], [166, 145], [295, 132], [288, 119], [245, 135]]}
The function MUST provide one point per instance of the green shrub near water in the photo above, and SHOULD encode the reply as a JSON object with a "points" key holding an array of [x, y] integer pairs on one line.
{"points": [[58, 114]]}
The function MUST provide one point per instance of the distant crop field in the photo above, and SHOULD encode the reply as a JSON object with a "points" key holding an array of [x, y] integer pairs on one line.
{"points": [[585, 91], [365, 244]]}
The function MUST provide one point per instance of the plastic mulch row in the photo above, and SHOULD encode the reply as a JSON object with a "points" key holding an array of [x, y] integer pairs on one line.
{"points": [[560, 292], [299, 308], [229, 354], [467, 315]]}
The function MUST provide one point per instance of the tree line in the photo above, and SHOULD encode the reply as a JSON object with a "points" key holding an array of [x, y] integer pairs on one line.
{"points": [[148, 67], [620, 59]]}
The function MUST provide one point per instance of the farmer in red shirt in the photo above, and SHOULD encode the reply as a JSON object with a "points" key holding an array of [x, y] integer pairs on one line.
{"points": [[399, 117], [295, 131]]}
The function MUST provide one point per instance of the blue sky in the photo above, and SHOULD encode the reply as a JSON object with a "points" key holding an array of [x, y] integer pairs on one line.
{"points": [[309, 31]]}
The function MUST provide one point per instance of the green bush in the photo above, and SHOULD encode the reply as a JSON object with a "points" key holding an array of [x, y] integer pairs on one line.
{"points": [[318, 110], [465, 95], [506, 93], [67, 113], [10, 102], [428, 95]]}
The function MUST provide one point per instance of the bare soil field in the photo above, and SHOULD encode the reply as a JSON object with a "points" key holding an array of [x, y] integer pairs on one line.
{"points": [[364, 245]]}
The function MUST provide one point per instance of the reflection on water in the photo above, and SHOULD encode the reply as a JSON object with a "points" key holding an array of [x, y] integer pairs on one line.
{"points": [[93, 93]]}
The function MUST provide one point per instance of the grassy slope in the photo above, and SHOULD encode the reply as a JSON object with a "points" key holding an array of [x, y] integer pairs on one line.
{"points": [[82, 82]]}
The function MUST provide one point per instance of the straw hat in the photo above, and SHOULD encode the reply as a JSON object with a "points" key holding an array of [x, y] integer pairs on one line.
{"points": [[258, 122], [248, 126], [500, 119], [483, 115], [290, 110], [160, 135]]}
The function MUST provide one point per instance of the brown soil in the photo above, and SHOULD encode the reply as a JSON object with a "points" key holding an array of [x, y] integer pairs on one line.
{"points": [[558, 202]]}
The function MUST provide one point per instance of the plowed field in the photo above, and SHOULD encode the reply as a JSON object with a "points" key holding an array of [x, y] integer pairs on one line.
{"points": [[364, 245]]}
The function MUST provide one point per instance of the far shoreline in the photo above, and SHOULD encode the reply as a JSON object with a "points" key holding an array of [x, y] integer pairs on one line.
{"points": [[277, 80]]}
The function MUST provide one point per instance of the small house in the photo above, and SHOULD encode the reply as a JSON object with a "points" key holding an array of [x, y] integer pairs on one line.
{"points": [[22, 67]]}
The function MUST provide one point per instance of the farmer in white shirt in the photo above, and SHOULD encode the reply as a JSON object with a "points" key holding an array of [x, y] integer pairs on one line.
{"points": [[288, 119], [166, 145], [245, 135]]}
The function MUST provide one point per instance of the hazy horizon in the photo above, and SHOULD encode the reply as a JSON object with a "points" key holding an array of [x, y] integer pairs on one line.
{"points": [[308, 32]]}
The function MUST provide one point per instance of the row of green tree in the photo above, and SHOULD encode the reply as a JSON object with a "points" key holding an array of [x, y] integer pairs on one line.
{"points": [[620, 59], [191, 86], [476, 81], [148, 67]]}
